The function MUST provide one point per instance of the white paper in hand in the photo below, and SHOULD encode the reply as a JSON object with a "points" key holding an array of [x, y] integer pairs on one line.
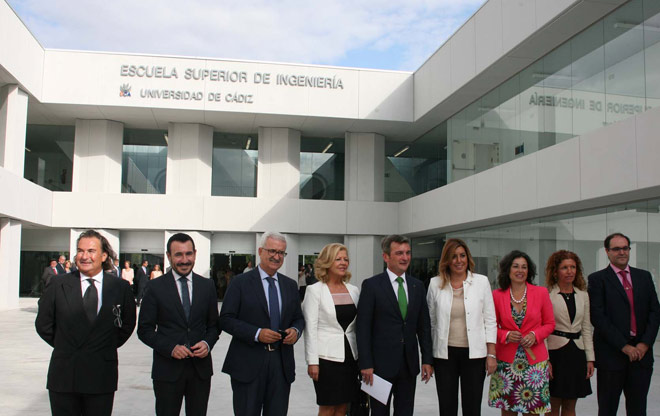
{"points": [[379, 390]]}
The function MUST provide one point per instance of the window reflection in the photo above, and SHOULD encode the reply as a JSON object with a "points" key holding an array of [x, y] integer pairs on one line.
{"points": [[144, 161], [322, 168], [49, 156], [234, 165]]}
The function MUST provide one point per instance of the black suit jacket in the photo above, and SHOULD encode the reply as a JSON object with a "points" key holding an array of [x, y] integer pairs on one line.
{"points": [[244, 311], [610, 316], [162, 324], [47, 276], [84, 358], [383, 336], [60, 268]]}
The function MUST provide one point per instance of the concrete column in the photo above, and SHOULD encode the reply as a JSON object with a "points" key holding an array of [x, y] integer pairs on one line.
{"points": [[365, 167], [366, 257], [278, 174], [202, 245], [189, 159], [13, 121], [97, 153], [10, 258], [111, 235]]}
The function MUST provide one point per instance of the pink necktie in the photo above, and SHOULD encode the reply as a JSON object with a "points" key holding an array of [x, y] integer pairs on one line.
{"points": [[55, 270], [627, 286]]}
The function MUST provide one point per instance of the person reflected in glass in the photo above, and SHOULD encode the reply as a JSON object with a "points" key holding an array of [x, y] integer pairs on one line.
{"points": [[525, 319], [570, 344], [330, 308], [156, 272], [127, 273], [464, 330]]}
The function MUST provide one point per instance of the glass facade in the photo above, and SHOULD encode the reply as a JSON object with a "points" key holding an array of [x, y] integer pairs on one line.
{"points": [[235, 159], [608, 72], [49, 156], [581, 232], [322, 168], [144, 161]]}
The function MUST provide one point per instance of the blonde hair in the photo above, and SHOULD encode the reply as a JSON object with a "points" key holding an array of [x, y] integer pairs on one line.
{"points": [[447, 256], [325, 260]]}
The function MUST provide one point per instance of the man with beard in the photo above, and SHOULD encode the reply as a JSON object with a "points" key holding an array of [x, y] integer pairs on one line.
{"points": [[261, 311], [178, 319]]}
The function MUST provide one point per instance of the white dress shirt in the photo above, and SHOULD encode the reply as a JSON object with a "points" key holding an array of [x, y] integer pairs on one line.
{"points": [[98, 283], [395, 284]]}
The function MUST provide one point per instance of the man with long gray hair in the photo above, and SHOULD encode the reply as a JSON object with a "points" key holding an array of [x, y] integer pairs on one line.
{"points": [[261, 311]]}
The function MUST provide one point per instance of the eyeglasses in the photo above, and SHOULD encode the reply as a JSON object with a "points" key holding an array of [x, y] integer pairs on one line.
{"points": [[274, 252], [116, 311], [619, 249]]}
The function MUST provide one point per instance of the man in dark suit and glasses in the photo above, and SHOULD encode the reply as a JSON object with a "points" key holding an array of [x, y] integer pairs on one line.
{"points": [[60, 265], [261, 310], [625, 314], [85, 316], [392, 323], [178, 319]]}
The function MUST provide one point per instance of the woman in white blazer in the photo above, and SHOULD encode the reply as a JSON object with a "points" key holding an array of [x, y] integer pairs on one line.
{"points": [[570, 345], [330, 308], [463, 326]]}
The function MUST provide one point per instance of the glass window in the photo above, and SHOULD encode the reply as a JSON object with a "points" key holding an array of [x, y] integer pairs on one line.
{"points": [[414, 168], [144, 161], [652, 52], [49, 156], [322, 168], [235, 159], [588, 75]]}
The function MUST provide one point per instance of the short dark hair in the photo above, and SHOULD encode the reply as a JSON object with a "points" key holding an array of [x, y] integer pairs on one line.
{"points": [[105, 247], [179, 238], [609, 238], [386, 242], [503, 278]]}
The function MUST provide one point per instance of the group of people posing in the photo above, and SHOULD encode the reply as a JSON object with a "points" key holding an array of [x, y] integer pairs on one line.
{"points": [[538, 345]]}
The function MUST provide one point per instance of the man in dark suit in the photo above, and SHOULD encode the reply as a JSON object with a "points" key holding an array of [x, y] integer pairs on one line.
{"points": [[116, 270], [626, 315], [178, 319], [49, 272], [85, 316], [141, 280], [392, 320], [60, 265], [261, 311]]}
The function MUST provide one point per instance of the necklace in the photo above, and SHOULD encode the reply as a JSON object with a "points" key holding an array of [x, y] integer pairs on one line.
{"points": [[521, 299], [566, 296]]}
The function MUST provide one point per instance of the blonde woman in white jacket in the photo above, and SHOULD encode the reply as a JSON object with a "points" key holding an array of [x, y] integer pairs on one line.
{"points": [[329, 309], [464, 330]]}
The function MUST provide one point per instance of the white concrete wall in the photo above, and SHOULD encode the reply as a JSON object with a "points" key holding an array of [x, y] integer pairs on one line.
{"points": [[13, 119], [97, 154], [10, 257], [189, 159], [22, 56], [25, 200]]}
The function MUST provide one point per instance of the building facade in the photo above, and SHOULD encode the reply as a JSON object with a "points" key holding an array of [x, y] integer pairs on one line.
{"points": [[533, 127]]}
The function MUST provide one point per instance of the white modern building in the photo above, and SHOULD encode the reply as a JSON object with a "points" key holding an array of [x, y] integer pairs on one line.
{"points": [[535, 126]]}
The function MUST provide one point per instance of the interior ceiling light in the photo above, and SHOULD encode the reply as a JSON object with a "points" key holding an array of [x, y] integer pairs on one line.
{"points": [[327, 147], [405, 148]]}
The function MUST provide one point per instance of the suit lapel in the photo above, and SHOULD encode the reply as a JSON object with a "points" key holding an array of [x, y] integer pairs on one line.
{"points": [[616, 283], [412, 295], [388, 289], [108, 298], [73, 296], [559, 306], [285, 297], [258, 289]]}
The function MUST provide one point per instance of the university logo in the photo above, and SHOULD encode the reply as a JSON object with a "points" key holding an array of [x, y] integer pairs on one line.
{"points": [[125, 90]]}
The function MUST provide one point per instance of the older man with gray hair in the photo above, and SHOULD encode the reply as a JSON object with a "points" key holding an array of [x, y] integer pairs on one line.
{"points": [[261, 310]]}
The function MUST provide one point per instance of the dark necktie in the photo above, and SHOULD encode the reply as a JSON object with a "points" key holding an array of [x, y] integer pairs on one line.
{"points": [[401, 294], [627, 286], [91, 301], [185, 297], [274, 305]]}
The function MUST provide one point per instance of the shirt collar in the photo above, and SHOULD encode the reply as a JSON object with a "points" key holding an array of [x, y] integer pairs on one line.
{"points": [[617, 270], [98, 278], [177, 276], [264, 275], [393, 276]]}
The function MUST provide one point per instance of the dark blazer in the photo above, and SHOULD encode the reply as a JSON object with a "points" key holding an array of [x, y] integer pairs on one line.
{"points": [[383, 336], [244, 311], [141, 280], [60, 268], [47, 276], [162, 324], [610, 316], [84, 358]]}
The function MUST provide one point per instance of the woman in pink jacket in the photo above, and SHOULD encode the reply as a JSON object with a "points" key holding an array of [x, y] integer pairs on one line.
{"points": [[524, 321]]}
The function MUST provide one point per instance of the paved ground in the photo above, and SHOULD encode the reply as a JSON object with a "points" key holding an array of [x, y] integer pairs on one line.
{"points": [[24, 363]]}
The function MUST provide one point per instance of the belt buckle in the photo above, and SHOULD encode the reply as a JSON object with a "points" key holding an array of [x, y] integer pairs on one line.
{"points": [[270, 348]]}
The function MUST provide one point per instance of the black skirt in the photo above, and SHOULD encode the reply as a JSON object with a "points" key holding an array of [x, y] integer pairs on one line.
{"points": [[569, 372]]}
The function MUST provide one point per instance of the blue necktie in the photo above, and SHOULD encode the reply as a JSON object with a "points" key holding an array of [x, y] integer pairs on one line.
{"points": [[274, 305], [185, 297]]}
